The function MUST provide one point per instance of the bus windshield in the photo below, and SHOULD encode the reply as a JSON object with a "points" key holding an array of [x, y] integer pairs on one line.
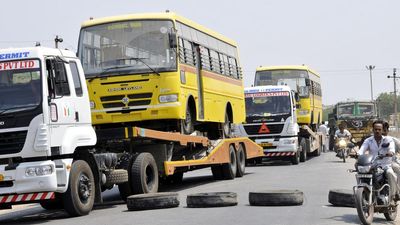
{"points": [[20, 85], [137, 46], [267, 103], [295, 79]]}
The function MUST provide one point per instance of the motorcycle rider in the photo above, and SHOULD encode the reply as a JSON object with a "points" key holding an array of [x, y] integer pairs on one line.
{"points": [[342, 132], [378, 146], [396, 159]]}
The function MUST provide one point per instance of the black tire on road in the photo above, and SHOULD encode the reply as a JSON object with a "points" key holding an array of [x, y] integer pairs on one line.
{"points": [[241, 161], [229, 169], [341, 197], [148, 201], [144, 174], [212, 199], [217, 172], [296, 158], [276, 198], [78, 200]]}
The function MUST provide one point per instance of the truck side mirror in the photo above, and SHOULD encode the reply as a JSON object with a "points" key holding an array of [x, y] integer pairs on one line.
{"points": [[172, 39], [296, 97]]}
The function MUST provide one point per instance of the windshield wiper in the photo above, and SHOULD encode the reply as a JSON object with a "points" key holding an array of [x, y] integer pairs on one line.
{"points": [[139, 60]]}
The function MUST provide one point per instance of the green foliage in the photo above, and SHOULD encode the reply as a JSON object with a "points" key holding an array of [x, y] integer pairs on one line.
{"points": [[385, 105]]}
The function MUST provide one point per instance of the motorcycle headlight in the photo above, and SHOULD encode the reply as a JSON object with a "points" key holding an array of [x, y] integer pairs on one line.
{"points": [[342, 144], [363, 169]]}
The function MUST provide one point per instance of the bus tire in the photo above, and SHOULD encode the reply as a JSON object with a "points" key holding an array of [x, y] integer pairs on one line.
{"points": [[341, 197], [211, 199], [229, 169], [276, 198], [241, 161], [148, 201], [79, 198], [187, 124], [227, 127], [144, 174]]}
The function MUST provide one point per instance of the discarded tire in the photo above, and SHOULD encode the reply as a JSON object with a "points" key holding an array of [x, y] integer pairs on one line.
{"points": [[341, 197], [211, 199], [152, 201], [276, 198]]}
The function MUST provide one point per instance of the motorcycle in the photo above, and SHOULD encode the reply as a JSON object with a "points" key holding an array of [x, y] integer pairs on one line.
{"points": [[343, 148], [372, 192]]}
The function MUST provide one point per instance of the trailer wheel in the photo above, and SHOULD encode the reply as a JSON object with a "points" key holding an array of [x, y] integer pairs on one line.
{"points": [[341, 197], [152, 201], [229, 169], [303, 153], [276, 198], [241, 161], [217, 172], [212, 199], [79, 198], [144, 174]]}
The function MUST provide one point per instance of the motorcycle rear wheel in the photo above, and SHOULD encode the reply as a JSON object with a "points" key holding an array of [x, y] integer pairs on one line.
{"points": [[365, 212], [391, 215]]}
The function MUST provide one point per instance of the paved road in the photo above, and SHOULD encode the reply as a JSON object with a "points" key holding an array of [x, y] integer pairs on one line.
{"points": [[315, 178]]}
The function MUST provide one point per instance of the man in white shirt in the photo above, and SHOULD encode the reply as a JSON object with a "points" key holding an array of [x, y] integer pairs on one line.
{"points": [[379, 145], [324, 130], [396, 159], [342, 132]]}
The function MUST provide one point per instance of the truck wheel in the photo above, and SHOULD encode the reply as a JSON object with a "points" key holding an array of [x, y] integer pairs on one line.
{"points": [[241, 161], [212, 199], [152, 201], [296, 158], [303, 153], [56, 203], [79, 198], [125, 162], [144, 174], [276, 198], [341, 197], [229, 169]]}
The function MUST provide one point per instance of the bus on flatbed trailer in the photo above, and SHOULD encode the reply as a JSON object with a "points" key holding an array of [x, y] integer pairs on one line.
{"points": [[51, 154]]}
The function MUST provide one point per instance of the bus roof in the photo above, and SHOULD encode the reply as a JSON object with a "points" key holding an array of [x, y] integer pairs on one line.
{"points": [[287, 67], [165, 15], [266, 88]]}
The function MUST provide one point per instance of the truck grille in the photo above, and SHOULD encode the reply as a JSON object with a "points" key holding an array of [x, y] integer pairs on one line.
{"points": [[12, 142], [130, 100], [273, 128]]}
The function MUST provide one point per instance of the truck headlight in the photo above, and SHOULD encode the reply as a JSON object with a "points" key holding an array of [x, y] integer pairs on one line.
{"points": [[289, 141], [38, 171], [303, 112], [92, 105], [168, 98]]}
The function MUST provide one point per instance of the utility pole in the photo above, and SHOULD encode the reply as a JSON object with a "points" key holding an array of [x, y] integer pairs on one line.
{"points": [[395, 98], [370, 68]]}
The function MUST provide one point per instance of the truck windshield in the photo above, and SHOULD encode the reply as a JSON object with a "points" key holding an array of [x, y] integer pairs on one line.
{"points": [[20, 85], [295, 79], [268, 103], [127, 47], [355, 109]]}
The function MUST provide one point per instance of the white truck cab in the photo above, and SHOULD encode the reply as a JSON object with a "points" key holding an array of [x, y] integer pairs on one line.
{"points": [[44, 118], [271, 121]]}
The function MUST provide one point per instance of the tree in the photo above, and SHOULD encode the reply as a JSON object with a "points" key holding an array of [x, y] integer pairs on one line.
{"points": [[385, 105]]}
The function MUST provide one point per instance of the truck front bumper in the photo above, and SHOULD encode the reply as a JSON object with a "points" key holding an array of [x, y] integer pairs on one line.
{"points": [[283, 145]]}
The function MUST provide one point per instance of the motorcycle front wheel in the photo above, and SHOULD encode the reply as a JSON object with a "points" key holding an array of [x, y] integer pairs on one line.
{"points": [[344, 155], [364, 210], [391, 215]]}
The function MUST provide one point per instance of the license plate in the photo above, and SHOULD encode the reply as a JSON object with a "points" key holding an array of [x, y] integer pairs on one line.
{"points": [[265, 144], [1, 177]]}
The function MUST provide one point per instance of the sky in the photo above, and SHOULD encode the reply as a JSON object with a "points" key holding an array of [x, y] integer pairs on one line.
{"points": [[336, 38]]}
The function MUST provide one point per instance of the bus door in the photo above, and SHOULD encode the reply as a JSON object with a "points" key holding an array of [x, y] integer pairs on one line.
{"points": [[200, 87]]}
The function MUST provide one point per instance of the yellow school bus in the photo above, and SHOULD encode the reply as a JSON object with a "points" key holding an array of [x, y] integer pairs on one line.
{"points": [[161, 71], [301, 79]]}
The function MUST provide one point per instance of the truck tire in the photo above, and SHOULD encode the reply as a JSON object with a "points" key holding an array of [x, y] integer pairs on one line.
{"points": [[116, 176], [296, 158], [341, 197], [212, 199], [152, 201], [303, 153], [229, 169], [79, 198], [276, 198], [144, 174], [217, 172], [125, 162], [56, 203], [241, 161]]}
